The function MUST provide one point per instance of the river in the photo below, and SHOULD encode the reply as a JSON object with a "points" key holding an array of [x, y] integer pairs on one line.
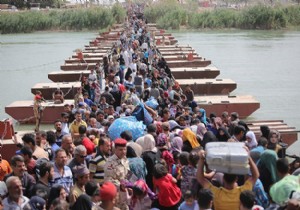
{"points": [[264, 64]]}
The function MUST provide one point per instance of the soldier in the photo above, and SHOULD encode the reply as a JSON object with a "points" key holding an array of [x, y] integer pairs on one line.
{"points": [[116, 169]]}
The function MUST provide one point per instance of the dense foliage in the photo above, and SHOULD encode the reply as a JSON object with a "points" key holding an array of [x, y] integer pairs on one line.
{"points": [[21, 4], [168, 14], [70, 19], [172, 15]]}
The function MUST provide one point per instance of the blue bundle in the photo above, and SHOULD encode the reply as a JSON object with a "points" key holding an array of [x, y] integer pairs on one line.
{"points": [[126, 124]]}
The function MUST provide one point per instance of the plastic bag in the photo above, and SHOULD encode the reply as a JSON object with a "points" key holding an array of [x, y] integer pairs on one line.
{"points": [[126, 124], [142, 114], [282, 190], [152, 102]]}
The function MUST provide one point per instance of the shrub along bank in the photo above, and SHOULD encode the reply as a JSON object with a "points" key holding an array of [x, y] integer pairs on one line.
{"points": [[255, 17], [168, 14], [94, 18]]}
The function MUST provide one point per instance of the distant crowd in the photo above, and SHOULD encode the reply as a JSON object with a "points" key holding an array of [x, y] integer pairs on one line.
{"points": [[81, 165]]}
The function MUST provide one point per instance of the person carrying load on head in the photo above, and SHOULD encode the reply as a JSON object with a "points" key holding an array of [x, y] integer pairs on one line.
{"points": [[38, 109], [227, 197]]}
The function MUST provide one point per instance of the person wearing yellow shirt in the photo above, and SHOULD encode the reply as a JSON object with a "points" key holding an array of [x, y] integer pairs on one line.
{"points": [[74, 127], [227, 197]]}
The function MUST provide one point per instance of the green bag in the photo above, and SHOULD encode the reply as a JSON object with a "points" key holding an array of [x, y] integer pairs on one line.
{"points": [[282, 190]]}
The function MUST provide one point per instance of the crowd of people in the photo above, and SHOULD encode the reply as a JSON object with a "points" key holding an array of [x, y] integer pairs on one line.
{"points": [[79, 166]]}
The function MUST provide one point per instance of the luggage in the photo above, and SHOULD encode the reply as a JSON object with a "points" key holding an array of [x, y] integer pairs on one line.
{"points": [[142, 114], [126, 124], [152, 102], [285, 189], [227, 157]]}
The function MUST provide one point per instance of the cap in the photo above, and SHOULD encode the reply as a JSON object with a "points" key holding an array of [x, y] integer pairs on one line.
{"points": [[37, 202], [108, 191], [120, 142], [38, 97], [110, 117], [80, 170], [80, 104]]}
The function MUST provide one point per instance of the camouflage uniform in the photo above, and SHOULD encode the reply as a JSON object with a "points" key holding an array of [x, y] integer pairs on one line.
{"points": [[115, 171]]}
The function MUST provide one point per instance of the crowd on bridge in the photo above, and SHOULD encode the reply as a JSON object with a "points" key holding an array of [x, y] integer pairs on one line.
{"points": [[88, 162]]}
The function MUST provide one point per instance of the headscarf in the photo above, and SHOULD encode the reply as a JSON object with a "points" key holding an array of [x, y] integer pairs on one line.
{"points": [[115, 88], [130, 153], [268, 159], [136, 147], [149, 143], [83, 203], [161, 139], [176, 144], [140, 185], [188, 135], [201, 130], [265, 130], [54, 192], [225, 136], [208, 137], [203, 116], [173, 125], [253, 143], [140, 141]]}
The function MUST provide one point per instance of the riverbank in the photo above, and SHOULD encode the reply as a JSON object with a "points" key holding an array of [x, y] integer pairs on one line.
{"points": [[173, 16], [166, 14], [79, 19]]}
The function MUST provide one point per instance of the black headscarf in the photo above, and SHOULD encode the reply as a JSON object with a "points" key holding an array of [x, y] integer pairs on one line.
{"points": [[225, 137], [208, 137], [265, 130], [83, 203]]}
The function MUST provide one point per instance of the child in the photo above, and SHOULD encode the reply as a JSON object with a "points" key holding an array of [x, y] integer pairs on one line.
{"points": [[173, 108], [189, 202], [141, 198], [169, 195], [188, 172], [247, 201]]}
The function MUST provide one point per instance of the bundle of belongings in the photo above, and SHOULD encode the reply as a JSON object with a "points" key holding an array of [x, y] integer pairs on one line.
{"points": [[227, 157]]}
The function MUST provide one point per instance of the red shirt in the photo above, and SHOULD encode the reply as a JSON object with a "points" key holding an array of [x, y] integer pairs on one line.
{"points": [[168, 192], [89, 145]]}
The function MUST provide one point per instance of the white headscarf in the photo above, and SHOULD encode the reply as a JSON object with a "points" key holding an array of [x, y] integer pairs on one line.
{"points": [[149, 143], [253, 143]]}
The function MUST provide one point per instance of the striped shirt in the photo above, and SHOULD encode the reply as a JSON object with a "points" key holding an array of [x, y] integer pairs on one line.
{"points": [[66, 180], [96, 166]]}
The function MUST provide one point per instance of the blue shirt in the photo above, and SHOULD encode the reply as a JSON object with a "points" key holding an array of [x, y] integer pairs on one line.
{"points": [[184, 206], [66, 180]]}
